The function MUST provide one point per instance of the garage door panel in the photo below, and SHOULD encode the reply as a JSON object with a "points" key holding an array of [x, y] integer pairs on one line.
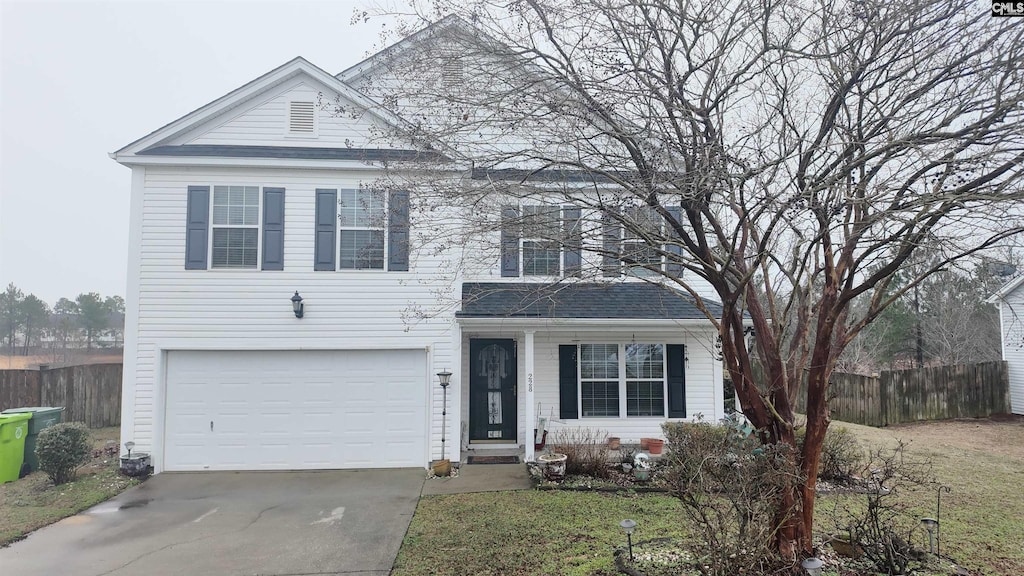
{"points": [[295, 410]]}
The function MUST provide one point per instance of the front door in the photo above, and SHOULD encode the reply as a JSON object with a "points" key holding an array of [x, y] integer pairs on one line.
{"points": [[492, 390]]}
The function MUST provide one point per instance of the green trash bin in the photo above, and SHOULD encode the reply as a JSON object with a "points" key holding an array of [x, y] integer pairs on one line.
{"points": [[42, 417], [13, 431]]}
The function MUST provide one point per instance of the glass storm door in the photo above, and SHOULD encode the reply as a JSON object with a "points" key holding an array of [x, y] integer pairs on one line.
{"points": [[492, 390]]}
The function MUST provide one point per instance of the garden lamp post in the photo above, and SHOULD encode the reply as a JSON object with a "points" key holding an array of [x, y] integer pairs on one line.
{"points": [[628, 526], [812, 565], [445, 378], [931, 525]]}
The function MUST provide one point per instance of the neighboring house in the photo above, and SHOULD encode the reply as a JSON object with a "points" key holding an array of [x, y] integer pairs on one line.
{"points": [[1010, 299], [262, 194]]}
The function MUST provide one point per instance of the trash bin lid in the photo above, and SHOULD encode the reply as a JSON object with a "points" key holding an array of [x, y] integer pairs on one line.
{"points": [[32, 409]]}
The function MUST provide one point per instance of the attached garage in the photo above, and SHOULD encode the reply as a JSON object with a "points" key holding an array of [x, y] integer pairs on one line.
{"points": [[295, 410]]}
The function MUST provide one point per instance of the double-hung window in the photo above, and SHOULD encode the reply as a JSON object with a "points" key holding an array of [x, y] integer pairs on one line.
{"points": [[236, 219], [622, 378], [644, 258], [362, 224], [541, 241]]}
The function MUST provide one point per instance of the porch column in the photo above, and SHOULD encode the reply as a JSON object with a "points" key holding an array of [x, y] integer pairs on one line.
{"points": [[530, 406]]}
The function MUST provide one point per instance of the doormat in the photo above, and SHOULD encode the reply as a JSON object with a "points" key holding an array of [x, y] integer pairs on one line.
{"points": [[493, 460]]}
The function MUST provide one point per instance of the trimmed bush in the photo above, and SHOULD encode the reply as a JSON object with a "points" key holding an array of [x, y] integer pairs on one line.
{"points": [[62, 449], [841, 454]]}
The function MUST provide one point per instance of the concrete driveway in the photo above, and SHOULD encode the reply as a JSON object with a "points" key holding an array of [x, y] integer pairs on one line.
{"points": [[232, 523]]}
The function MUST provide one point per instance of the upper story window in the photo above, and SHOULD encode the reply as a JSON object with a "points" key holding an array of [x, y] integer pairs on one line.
{"points": [[645, 259], [236, 219], [540, 240], [224, 229], [361, 233], [542, 251], [361, 229]]}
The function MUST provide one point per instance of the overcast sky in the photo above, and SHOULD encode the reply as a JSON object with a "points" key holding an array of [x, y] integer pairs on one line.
{"points": [[81, 79]]}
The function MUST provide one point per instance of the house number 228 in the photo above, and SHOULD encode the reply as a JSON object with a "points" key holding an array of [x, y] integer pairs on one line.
{"points": [[529, 382]]}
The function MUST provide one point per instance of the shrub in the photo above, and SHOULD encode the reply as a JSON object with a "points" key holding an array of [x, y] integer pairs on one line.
{"points": [[62, 449], [729, 485], [585, 451], [841, 453]]}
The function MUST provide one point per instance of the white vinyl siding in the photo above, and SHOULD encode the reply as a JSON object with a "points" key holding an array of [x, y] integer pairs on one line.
{"points": [[1011, 310], [251, 310]]}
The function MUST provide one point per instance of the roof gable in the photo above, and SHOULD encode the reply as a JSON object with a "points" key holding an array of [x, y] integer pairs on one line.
{"points": [[1006, 289], [267, 90]]}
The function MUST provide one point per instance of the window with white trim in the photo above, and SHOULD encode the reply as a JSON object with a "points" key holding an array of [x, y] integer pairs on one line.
{"points": [[361, 233], [645, 258], [235, 234], [541, 248], [617, 379]]}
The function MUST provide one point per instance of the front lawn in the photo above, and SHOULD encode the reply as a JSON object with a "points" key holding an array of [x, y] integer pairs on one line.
{"points": [[33, 501], [575, 533]]}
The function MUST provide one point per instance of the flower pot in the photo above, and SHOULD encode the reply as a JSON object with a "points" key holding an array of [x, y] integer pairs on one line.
{"points": [[655, 445], [136, 465], [554, 466], [642, 474], [614, 442], [442, 467], [644, 443]]}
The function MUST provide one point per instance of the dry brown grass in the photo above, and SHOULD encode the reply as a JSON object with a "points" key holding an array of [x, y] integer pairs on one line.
{"points": [[8, 362]]}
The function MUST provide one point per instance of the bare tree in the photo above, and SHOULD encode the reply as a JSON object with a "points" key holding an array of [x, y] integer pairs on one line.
{"points": [[783, 157]]}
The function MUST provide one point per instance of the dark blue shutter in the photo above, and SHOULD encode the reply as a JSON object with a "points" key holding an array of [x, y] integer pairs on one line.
{"points": [[509, 242], [573, 239], [676, 355], [273, 228], [398, 231], [197, 227], [611, 235], [568, 384], [674, 248], [326, 229]]}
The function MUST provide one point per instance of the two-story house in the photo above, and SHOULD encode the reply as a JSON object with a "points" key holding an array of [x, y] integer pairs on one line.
{"points": [[284, 313]]}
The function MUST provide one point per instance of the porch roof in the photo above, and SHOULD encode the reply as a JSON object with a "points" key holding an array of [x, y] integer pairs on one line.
{"points": [[621, 300]]}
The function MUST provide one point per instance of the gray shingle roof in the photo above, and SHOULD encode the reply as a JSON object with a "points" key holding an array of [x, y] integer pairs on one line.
{"points": [[299, 152], [639, 300]]}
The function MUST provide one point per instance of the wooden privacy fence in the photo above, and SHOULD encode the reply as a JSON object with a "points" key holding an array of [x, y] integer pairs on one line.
{"points": [[90, 393], [960, 391]]}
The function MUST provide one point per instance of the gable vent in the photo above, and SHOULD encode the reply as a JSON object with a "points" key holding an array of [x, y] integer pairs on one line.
{"points": [[301, 118]]}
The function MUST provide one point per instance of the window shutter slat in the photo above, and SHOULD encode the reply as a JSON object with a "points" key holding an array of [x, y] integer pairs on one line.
{"points": [[676, 356], [568, 385], [674, 249], [611, 236], [197, 227], [398, 231], [273, 228], [573, 242], [509, 242], [326, 229]]}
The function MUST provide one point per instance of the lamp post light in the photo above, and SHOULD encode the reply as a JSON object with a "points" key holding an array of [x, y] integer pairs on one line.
{"points": [[812, 565], [628, 526], [445, 378], [297, 305]]}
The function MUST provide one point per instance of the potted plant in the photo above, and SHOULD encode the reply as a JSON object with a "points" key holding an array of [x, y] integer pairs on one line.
{"points": [[614, 442], [553, 465], [642, 467], [442, 467]]}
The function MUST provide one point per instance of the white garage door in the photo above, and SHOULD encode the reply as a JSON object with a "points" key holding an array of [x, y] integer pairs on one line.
{"points": [[295, 410]]}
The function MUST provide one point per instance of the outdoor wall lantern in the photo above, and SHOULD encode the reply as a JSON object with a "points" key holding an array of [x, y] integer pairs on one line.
{"points": [[628, 526], [445, 378], [812, 565], [297, 305]]}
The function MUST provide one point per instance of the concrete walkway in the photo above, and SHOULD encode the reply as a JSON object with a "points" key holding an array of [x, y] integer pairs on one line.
{"points": [[481, 478]]}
